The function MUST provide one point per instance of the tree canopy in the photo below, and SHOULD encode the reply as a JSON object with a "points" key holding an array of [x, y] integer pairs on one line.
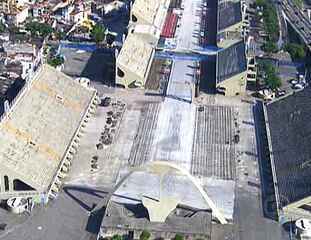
{"points": [[56, 61], [179, 237], [145, 235], [272, 80], [98, 33], [270, 18], [270, 47], [116, 237], [38, 29], [296, 51], [2, 27]]}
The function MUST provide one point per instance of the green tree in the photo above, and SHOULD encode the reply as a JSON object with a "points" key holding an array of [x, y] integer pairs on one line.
{"points": [[38, 29], [145, 235], [56, 61], [270, 47], [272, 80], [260, 3], [2, 27], [179, 237], [98, 33], [299, 3], [116, 237], [270, 18], [296, 51]]}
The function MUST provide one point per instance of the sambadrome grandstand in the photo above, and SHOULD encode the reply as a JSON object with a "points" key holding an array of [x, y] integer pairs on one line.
{"points": [[40, 132]]}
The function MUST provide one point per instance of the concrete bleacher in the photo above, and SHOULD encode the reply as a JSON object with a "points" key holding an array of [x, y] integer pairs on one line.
{"points": [[213, 147], [170, 24], [41, 130], [140, 152]]}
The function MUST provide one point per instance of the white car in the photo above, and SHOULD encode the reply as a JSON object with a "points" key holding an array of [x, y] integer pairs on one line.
{"points": [[298, 86]]}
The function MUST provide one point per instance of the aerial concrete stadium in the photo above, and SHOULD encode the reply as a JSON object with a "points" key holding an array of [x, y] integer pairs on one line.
{"points": [[178, 158]]}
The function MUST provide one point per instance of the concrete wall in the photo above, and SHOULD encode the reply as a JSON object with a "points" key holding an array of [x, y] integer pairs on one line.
{"points": [[10, 192]]}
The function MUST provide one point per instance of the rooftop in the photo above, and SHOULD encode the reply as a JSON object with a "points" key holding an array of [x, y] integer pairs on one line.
{"points": [[183, 220], [136, 55], [40, 126], [290, 134], [229, 14], [151, 11], [231, 61]]}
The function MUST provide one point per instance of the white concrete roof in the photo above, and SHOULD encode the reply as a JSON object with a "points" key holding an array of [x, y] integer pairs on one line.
{"points": [[135, 55], [147, 29], [152, 11], [35, 136]]}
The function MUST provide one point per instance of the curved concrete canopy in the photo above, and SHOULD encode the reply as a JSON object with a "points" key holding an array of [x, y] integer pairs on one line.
{"points": [[161, 168]]}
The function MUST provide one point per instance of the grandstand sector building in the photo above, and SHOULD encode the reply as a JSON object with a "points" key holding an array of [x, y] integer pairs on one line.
{"points": [[232, 11], [288, 132], [231, 64], [231, 70], [40, 134], [225, 27], [134, 61], [136, 56], [225, 70], [231, 22]]}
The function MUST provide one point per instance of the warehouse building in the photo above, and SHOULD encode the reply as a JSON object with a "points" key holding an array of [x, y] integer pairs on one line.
{"points": [[40, 133]]}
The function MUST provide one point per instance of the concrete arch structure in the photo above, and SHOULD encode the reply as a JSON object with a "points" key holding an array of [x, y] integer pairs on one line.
{"points": [[161, 168]]}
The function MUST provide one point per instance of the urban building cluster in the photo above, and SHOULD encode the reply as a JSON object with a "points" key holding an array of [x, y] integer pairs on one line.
{"points": [[220, 49]]}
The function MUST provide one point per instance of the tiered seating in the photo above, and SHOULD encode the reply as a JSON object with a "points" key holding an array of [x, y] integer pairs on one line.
{"points": [[142, 144], [170, 24], [213, 149]]}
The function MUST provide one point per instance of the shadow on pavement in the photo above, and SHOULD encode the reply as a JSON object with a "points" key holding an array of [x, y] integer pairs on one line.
{"points": [[69, 190], [94, 221], [100, 67]]}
